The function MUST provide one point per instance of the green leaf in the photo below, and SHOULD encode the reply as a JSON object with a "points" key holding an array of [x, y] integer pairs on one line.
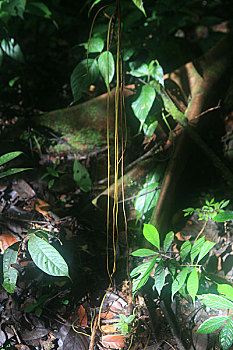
{"points": [[156, 72], [143, 103], [205, 250], [51, 183], [12, 50], [224, 216], [168, 241], [193, 284], [124, 328], [39, 8], [226, 290], [81, 177], [146, 199], [159, 278], [12, 172], [141, 71], [226, 335], [139, 4], [9, 156], [144, 252], [94, 3], [107, 67], [81, 79], [196, 248], [144, 271], [179, 281], [149, 130], [46, 257], [128, 53], [216, 301], [151, 234], [14, 7], [185, 249], [212, 324], [130, 319], [10, 274], [95, 45]]}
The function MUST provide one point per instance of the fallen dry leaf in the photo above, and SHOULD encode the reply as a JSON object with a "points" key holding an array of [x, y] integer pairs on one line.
{"points": [[110, 328], [6, 240], [82, 317], [114, 341]]}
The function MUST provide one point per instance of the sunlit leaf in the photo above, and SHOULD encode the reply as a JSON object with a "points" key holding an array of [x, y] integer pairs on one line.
{"points": [[226, 290], [196, 248], [224, 216], [81, 79], [193, 284], [12, 172], [144, 270], [205, 250], [139, 4], [144, 252], [156, 72], [10, 274], [143, 103], [216, 301], [151, 234], [140, 71], [107, 67], [212, 324], [95, 45], [9, 156], [168, 241], [226, 335], [179, 281], [46, 257], [159, 278], [185, 249], [12, 49], [146, 198]]}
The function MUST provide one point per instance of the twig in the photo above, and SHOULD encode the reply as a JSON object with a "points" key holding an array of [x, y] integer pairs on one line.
{"points": [[92, 342]]}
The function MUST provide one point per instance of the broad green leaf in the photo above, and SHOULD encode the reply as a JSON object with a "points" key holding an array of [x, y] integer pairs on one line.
{"points": [[226, 335], [14, 7], [193, 284], [196, 248], [128, 53], [81, 79], [81, 177], [124, 328], [168, 241], [46, 257], [226, 290], [179, 281], [107, 67], [149, 130], [139, 4], [141, 71], [146, 199], [143, 103], [144, 252], [144, 272], [151, 234], [185, 249], [156, 72], [224, 216], [130, 319], [216, 301], [205, 250], [12, 50], [12, 172], [159, 278], [9, 156], [95, 45], [1, 56], [10, 274], [212, 324]]}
